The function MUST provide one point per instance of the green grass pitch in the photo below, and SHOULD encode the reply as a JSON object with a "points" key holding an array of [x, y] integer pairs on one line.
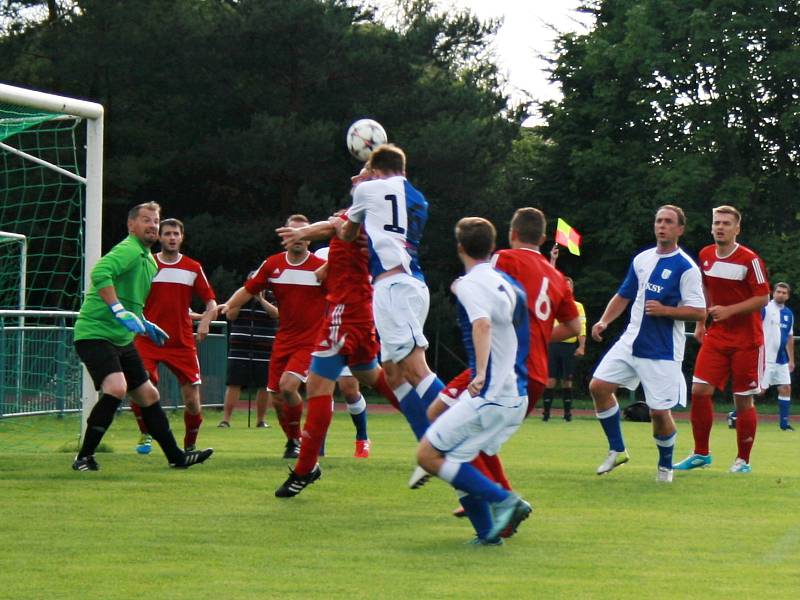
{"points": [[137, 529]]}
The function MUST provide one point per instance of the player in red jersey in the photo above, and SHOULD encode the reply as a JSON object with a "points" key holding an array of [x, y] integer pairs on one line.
{"points": [[737, 288], [178, 279], [346, 338], [301, 306]]}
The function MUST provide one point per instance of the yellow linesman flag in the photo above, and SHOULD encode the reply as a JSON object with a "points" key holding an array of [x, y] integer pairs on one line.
{"points": [[567, 236]]}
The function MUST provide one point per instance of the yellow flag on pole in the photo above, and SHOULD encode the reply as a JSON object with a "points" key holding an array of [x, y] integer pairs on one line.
{"points": [[567, 236]]}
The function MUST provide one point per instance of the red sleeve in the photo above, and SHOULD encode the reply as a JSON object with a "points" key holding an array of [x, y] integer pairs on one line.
{"points": [[757, 276], [502, 263], [202, 287], [259, 281], [567, 310]]}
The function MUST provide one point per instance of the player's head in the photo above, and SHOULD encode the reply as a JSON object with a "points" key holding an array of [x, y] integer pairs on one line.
{"points": [[528, 226], [781, 292], [476, 237], [143, 220], [170, 235], [386, 160], [669, 225], [725, 224], [298, 249]]}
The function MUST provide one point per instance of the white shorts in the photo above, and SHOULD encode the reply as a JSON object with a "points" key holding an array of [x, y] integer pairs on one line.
{"points": [[662, 380], [775, 374], [476, 424], [400, 304]]}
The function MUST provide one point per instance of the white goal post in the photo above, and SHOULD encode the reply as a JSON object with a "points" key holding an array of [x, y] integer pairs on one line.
{"points": [[93, 181]]}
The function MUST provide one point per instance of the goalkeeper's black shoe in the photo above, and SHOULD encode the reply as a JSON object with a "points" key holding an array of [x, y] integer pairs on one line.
{"points": [[87, 463], [193, 457], [297, 483]]}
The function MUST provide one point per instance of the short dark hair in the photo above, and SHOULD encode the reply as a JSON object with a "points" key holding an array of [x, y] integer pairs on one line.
{"points": [[388, 158], [477, 237], [783, 284], [297, 217], [170, 223], [677, 210], [530, 225], [134, 212]]}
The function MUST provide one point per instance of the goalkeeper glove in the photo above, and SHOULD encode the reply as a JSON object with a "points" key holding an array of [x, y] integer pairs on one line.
{"points": [[157, 335], [128, 320]]}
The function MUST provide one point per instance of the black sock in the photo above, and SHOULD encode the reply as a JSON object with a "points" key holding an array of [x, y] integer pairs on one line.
{"points": [[155, 419], [566, 394], [547, 397], [98, 422]]}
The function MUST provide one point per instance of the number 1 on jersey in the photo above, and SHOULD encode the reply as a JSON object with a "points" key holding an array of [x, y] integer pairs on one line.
{"points": [[393, 226]]}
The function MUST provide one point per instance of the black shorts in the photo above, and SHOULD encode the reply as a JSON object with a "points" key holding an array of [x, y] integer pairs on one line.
{"points": [[102, 358], [561, 360], [247, 373]]}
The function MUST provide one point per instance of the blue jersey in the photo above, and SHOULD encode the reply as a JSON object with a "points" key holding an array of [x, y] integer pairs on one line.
{"points": [[778, 326], [394, 214], [674, 280], [486, 293]]}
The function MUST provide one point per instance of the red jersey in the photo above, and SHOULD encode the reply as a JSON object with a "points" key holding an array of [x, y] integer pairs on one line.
{"points": [[170, 298], [349, 280], [549, 298], [300, 297], [731, 280]]}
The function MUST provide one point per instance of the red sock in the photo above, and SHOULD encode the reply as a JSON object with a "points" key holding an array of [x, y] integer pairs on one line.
{"points": [[701, 415], [192, 424], [280, 414], [478, 463], [136, 409], [318, 418], [293, 416], [384, 390], [746, 423], [495, 467]]}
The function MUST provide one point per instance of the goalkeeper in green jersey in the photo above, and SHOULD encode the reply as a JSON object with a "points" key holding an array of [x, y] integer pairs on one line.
{"points": [[110, 317]]}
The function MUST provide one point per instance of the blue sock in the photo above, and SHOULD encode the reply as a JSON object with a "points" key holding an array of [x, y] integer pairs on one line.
{"points": [[609, 419], [412, 409], [783, 408], [428, 389], [665, 444], [478, 513], [465, 477], [358, 414]]}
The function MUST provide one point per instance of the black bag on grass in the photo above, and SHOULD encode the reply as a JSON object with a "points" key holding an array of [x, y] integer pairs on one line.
{"points": [[637, 411]]}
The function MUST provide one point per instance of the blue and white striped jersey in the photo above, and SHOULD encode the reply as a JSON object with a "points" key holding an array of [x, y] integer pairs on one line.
{"points": [[778, 326], [394, 214], [487, 293], [674, 280]]}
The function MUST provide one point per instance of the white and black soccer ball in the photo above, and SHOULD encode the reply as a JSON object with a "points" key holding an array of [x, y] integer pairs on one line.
{"points": [[363, 137], [732, 420]]}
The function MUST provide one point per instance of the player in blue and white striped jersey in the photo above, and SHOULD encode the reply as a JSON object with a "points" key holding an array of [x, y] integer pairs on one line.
{"points": [[779, 349], [493, 316], [665, 286], [394, 214]]}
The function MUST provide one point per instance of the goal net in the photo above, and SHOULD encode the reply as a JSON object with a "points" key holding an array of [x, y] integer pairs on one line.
{"points": [[50, 207]]}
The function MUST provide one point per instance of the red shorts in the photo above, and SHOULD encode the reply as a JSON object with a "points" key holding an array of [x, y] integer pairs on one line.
{"points": [[292, 359], [352, 337], [181, 361], [718, 361]]}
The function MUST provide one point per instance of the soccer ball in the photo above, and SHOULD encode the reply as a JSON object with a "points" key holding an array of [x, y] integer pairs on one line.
{"points": [[732, 420], [363, 137]]}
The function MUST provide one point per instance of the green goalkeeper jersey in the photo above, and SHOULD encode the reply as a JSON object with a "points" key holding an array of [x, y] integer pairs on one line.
{"points": [[129, 267]]}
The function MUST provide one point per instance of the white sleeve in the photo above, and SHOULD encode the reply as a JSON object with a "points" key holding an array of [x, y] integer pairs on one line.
{"points": [[692, 289], [473, 300], [358, 209]]}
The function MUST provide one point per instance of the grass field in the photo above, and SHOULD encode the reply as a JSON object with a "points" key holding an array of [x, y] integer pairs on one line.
{"points": [[137, 529]]}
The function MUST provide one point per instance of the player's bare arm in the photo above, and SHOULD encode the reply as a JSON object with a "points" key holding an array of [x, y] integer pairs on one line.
{"points": [[321, 230], [616, 306], [240, 298], [348, 230], [720, 313], [482, 339], [268, 306], [205, 320], [564, 331], [654, 308]]}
